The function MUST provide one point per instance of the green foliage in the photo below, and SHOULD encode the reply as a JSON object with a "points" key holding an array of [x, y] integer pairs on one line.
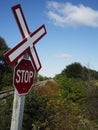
{"points": [[41, 106], [5, 70], [35, 110], [81, 110], [74, 70], [77, 71], [71, 88], [77, 90], [5, 113], [3, 44], [7, 80]]}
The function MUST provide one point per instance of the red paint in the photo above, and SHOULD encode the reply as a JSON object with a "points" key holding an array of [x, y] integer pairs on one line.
{"points": [[23, 76]]}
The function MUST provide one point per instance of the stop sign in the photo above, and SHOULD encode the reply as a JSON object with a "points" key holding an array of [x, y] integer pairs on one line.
{"points": [[23, 76]]}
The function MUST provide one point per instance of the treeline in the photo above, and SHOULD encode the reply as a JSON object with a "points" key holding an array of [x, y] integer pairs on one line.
{"points": [[77, 71]]}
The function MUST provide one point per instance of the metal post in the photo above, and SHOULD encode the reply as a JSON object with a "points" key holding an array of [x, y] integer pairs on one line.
{"points": [[18, 109]]}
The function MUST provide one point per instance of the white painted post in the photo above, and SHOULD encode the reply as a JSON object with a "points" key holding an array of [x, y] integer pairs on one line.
{"points": [[18, 109]]}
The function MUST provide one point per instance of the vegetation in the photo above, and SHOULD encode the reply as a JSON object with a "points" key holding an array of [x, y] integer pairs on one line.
{"points": [[69, 101], [5, 70]]}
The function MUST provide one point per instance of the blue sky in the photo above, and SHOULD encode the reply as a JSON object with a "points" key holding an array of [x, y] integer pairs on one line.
{"points": [[72, 31]]}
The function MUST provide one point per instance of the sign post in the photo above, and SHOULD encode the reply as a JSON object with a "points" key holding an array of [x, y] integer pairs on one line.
{"points": [[24, 71], [18, 109]]}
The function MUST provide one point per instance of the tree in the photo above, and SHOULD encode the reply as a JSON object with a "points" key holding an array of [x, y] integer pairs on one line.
{"points": [[4, 67], [74, 70], [3, 49]]}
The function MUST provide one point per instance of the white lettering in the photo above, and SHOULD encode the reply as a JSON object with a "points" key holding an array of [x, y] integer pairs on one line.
{"points": [[24, 76], [18, 75], [30, 75]]}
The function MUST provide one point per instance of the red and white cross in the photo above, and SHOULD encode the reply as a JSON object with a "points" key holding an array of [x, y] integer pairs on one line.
{"points": [[28, 41]]}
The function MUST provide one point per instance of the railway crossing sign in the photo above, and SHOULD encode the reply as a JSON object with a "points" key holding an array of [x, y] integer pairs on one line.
{"points": [[28, 42], [23, 76], [24, 71]]}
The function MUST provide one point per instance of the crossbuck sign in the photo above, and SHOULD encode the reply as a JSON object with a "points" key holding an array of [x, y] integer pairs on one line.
{"points": [[24, 71], [28, 41]]}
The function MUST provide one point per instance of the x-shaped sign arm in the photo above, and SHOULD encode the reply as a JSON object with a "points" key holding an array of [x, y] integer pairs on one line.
{"points": [[28, 42]]}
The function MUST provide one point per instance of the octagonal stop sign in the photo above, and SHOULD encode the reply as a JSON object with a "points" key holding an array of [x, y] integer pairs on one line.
{"points": [[23, 76]]}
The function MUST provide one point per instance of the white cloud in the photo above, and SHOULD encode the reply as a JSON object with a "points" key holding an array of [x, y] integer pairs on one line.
{"points": [[67, 14], [63, 56]]}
